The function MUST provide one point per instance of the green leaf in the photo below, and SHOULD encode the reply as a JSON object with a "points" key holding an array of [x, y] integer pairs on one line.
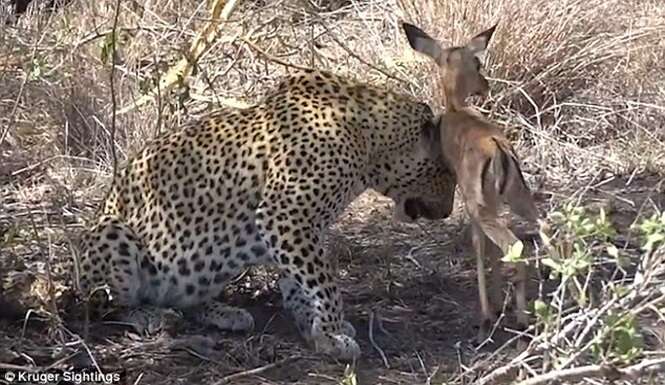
{"points": [[602, 218], [106, 48], [552, 264], [652, 239], [349, 377], [557, 217], [542, 310], [514, 253]]}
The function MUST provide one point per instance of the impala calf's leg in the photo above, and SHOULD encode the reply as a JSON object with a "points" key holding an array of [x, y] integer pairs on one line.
{"points": [[496, 281], [487, 309], [505, 239]]}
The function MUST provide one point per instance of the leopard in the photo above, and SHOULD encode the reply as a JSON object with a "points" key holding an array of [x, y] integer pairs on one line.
{"points": [[242, 187]]}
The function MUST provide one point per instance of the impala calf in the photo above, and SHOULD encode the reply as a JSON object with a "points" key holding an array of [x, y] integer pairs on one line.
{"points": [[485, 164]]}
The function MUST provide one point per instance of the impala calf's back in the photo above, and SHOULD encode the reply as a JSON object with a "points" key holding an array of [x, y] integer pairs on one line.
{"points": [[485, 164]]}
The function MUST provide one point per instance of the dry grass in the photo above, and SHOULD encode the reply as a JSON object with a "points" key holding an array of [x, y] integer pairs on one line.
{"points": [[584, 78], [579, 84]]}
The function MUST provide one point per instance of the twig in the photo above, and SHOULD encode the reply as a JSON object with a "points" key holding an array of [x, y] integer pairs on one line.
{"points": [[260, 369], [500, 375], [271, 57], [12, 116], [609, 372], [495, 327], [354, 55], [114, 105], [225, 102], [374, 344], [409, 256], [22, 368]]}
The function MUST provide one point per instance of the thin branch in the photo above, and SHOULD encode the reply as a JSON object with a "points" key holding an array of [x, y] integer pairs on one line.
{"points": [[374, 344], [112, 86], [232, 377], [357, 57], [114, 105], [271, 57], [609, 372]]}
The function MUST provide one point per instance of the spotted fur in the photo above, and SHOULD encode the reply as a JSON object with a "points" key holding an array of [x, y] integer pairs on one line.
{"points": [[261, 185]]}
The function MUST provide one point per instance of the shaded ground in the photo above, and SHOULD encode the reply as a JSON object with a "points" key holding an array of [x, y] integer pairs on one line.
{"points": [[414, 280]]}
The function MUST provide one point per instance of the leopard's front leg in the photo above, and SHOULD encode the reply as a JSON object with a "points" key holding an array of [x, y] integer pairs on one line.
{"points": [[308, 283]]}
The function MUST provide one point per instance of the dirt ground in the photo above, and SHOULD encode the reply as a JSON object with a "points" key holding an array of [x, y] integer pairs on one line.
{"points": [[415, 281]]}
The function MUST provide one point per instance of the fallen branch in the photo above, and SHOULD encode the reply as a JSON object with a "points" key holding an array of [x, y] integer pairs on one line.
{"points": [[271, 57], [608, 372], [374, 344], [228, 102], [260, 369], [5, 366]]}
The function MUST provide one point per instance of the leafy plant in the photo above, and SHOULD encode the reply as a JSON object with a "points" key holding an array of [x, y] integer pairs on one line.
{"points": [[574, 244], [349, 377], [577, 236], [106, 45], [618, 340], [653, 231], [36, 68]]}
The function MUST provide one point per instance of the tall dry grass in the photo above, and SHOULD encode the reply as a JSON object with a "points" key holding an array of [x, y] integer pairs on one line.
{"points": [[584, 78]]}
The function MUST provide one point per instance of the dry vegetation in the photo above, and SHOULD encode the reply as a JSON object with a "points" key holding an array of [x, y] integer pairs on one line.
{"points": [[579, 85]]}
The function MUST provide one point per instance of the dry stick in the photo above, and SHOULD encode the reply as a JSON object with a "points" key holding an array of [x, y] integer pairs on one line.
{"points": [[203, 41], [374, 344], [353, 54], [50, 286], [271, 57], [114, 106], [609, 372], [22, 368], [260, 369], [500, 374], [160, 106], [12, 116]]}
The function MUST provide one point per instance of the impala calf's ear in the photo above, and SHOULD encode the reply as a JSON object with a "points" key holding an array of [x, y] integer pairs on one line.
{"points": [[431, 137], [479, 43], [423, 43]]}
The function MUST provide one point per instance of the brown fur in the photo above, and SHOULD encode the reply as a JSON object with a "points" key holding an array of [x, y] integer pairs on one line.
{"points": [[486, 166]]}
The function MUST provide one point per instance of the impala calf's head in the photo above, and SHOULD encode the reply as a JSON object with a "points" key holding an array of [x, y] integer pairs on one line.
{"points": [[460, 66]]}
